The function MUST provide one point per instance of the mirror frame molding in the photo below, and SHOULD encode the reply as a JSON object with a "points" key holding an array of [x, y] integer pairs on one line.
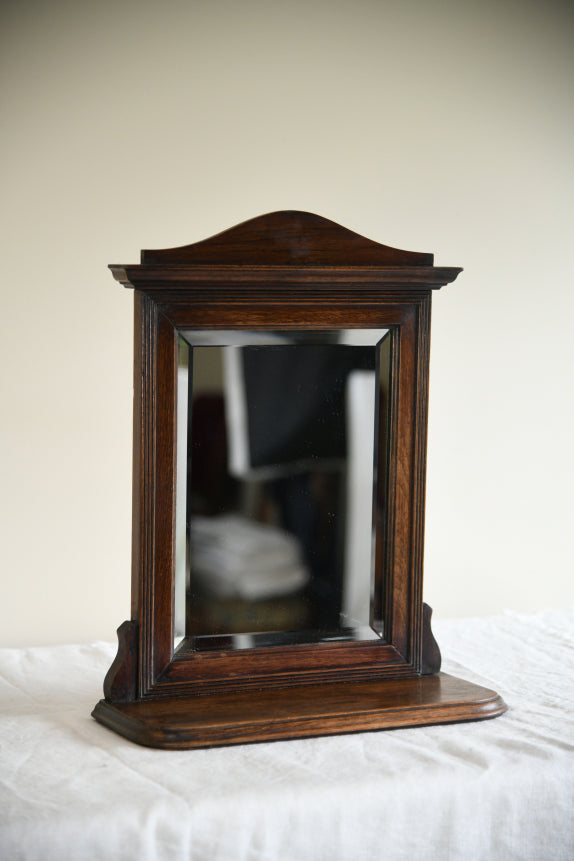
{"points": [[287, 271]]}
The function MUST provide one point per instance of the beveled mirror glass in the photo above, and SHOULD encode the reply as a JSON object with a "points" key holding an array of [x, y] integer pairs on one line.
{"points": [[278, 436]]}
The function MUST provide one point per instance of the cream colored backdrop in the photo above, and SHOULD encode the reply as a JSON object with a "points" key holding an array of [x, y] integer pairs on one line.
{"points": [[434, 126]]}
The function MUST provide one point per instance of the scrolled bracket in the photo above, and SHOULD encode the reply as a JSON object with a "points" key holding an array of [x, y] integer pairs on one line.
{"points": [[120, 684], [431, 657]]}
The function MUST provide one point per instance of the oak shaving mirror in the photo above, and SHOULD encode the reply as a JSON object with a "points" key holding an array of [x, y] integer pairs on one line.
{"points": [[280, 408]]}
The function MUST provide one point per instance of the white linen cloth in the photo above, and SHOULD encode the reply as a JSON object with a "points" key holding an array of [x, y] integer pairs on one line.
{"points": [[498, 789]]}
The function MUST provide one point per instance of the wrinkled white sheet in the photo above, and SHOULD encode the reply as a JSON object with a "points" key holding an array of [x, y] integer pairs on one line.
{"points": [[499, 789]]}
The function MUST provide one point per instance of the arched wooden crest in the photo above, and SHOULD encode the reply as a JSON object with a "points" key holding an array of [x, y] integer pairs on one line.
{"points": [[288, 238]]}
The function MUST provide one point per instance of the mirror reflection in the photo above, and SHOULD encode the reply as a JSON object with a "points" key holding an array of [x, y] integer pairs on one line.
{"points": [[275, 485]]}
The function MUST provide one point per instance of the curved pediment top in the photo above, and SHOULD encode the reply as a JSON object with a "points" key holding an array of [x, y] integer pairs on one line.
{"points": [[287, 238]]}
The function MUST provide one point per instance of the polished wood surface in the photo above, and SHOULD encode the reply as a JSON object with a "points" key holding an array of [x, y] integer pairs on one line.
{"points": [[223, 719], [283, 271], [120, 680], [288, 238], [400, 504]]}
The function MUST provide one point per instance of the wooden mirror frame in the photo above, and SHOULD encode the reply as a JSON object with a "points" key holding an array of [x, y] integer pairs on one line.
{"points": [[282, 271]]}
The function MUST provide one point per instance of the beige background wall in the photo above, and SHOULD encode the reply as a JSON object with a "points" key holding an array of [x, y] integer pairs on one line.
{"points": [[435, 126]]}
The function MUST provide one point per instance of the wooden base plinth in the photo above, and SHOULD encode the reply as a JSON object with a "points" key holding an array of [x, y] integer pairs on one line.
{"points": [[222, 719]]}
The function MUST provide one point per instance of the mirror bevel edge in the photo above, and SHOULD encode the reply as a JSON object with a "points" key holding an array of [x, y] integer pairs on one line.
{"points": [[186, 639]]}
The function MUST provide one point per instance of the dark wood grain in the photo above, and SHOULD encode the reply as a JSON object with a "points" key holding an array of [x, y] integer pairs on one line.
{"points": [[257, 280], [284, 271], [288, 238], [431, 656], [161, 676], [269, 715], [120, 683]]}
